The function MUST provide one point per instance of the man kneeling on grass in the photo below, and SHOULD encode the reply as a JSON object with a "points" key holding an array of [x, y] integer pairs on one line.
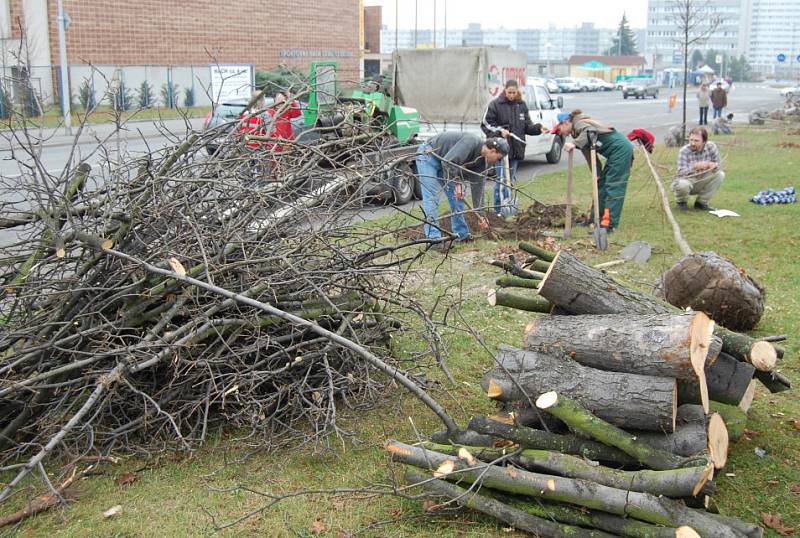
{"points": [[443, 163], [699, 171]]}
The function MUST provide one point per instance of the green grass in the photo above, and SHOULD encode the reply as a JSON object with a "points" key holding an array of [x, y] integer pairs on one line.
{"points": [[52, 116], [173, 492]]}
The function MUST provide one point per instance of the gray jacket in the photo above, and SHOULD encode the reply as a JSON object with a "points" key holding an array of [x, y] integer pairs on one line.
{"points": [[460, 155], [703, 97]]}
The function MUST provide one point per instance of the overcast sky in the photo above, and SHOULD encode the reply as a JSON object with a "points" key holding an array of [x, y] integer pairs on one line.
{"points": [[514, 13]]}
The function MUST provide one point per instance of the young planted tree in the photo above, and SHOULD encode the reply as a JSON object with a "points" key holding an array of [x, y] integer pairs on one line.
{"points": [[624, 43], [696, 22]]}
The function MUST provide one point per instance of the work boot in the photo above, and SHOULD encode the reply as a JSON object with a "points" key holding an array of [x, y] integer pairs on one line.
{"points": [[683, 206], [442, 247], [702, 206]]}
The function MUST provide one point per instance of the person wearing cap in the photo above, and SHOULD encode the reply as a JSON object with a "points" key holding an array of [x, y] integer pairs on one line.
{"points": [[614, 147], [444, 163], [507, 116]]}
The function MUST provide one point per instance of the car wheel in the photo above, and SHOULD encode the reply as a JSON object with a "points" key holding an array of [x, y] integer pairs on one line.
{"points": [[554, 155], [655, 95], [624, 95], [403, 184]]}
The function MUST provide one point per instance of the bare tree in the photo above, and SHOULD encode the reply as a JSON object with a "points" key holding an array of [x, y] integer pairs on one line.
{"points": [[696, 20]]}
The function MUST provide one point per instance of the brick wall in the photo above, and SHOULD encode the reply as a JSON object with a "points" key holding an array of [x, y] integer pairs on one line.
{"points": [[169, 32], [372, 29]]}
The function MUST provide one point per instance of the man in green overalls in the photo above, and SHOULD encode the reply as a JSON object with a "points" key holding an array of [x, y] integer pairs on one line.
{"points": [[614, 147]]}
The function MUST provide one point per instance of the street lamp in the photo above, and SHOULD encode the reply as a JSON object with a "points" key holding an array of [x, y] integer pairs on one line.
{"points": [[63, 22], [547, 47]]}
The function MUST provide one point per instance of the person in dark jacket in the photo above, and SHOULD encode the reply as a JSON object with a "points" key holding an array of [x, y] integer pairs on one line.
{"points": [[443, 163], [507, 116], [719, 100]]}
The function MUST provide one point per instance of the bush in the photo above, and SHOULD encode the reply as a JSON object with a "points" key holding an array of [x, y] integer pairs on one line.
{"points": [[123, 99], [281, 78], [145, 96], [188, 97], [86, 95], [169, 95], [6, 106]]}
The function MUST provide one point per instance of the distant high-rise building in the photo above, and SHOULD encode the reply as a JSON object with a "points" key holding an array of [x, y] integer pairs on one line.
{"points": [[772, 27], [587, 39]]}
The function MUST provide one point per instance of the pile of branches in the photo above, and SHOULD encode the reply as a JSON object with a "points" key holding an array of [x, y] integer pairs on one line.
{"points": [[146, 303], [616, 412]]}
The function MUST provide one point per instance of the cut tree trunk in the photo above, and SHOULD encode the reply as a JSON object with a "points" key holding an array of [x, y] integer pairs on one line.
{"points": [[735, 419], [516, 270], [627, 400], [510, 300], [641, 506], [693, 438], [581, 420], [509, 515], [649, 344], [674, 483], [576, 288], [542, 440], [774, 381], [517, 282], [539, 252], [707, 282], [727, 379]]}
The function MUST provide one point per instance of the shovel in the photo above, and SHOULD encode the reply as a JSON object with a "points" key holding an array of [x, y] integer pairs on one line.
{"points": [[600, 233], [509, 206]]}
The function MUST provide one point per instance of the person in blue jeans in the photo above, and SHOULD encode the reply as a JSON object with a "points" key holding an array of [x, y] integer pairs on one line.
{"points": [[444, 163]]}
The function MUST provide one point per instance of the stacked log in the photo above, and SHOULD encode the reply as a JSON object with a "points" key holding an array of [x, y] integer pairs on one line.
{"points": [[618, 405]]}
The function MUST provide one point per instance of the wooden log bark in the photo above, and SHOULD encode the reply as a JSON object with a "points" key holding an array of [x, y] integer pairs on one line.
{"points": [[727, 380], [516, 270], [774, 381], [510, 515], [542, 440], [693, 438], [519, 302], [580, 419], [539, 252], [735, 419], [708, 282], [648, 344], [627, 400], [577, 288], [678, 483], [641, 506], [517, 282], [540, 266]]}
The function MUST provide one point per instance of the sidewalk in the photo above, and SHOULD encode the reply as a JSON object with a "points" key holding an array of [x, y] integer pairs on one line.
{"points": [[132, 129]]}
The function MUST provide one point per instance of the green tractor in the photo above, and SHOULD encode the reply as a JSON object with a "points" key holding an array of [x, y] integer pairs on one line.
{"points": [[334, 113]]}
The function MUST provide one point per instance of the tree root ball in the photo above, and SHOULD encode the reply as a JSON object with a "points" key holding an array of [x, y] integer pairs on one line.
{"points": [[709, 283]]}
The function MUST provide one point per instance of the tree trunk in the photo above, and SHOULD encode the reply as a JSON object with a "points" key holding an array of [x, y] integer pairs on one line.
{"points": [[727, 380], [774, 381], [574, 287], [539, 252], [627, 400], [510, 300], [509, 515], [735, 419], [581, 289], [641, 506], [678, 483], [542, 440], [517, 282], [693, 438], [580, 419], [707, 282], [648, 344], [517, 271]]}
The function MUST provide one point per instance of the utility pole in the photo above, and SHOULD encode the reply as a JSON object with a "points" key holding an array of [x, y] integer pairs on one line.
{"points": [[445, 23], [434, 23], [396, 24], [416, 11], [62, 48]]}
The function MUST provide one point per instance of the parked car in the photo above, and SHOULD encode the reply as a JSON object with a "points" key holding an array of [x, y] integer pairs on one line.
{"points": [[641, 88], [790, 92], [549, 83], [568, 84], [621, 84], [585, 84], [544, 109], [223, 119], [725, 85], [601, 85]]}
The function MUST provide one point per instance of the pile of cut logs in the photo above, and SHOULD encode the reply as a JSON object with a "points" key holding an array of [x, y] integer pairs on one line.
{"points": [[615, 414]]}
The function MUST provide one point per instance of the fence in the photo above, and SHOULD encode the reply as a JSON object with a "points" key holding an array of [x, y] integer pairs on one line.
{"points": [[129, 86]]}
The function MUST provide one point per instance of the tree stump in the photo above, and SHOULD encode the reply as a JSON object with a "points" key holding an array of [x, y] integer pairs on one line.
{"points": [[707, 282]]}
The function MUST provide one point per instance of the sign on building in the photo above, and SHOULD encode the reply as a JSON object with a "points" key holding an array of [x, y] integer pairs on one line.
{"points": [[231, 82]]}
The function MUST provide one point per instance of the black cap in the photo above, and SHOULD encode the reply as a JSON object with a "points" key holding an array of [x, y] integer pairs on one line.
{"points": [[499, 144]]}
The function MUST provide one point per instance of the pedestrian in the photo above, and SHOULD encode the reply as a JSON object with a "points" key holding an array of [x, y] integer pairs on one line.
{"points": [[254, 119], [722, 125], [699, 171], [281, 114], [507, 116], [614, 147], [719, 100], [703, 98], [443, 164]]}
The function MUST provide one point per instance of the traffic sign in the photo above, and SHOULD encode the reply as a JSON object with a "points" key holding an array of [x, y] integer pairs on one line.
{"points": [[719, 59], [781, 57]]}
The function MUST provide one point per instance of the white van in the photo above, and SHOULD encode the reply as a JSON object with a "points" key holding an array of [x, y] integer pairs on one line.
{"points": [[544, 109]]}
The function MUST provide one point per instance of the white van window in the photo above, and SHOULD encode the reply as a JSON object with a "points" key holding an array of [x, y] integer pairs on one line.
{"points": [[530, 98], [543, 98]]}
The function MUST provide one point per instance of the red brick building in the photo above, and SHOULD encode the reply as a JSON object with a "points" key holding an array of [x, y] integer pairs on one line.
{"points": [[263, 33]]}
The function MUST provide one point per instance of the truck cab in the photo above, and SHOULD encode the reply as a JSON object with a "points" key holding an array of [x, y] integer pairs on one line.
{"points": [[543, 108]]}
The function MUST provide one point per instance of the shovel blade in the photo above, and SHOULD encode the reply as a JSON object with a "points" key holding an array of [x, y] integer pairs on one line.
{"points": [[601, 238]]}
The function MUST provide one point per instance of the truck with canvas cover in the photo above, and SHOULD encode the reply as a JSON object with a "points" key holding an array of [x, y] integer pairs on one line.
{"points": [[451, 88]]}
